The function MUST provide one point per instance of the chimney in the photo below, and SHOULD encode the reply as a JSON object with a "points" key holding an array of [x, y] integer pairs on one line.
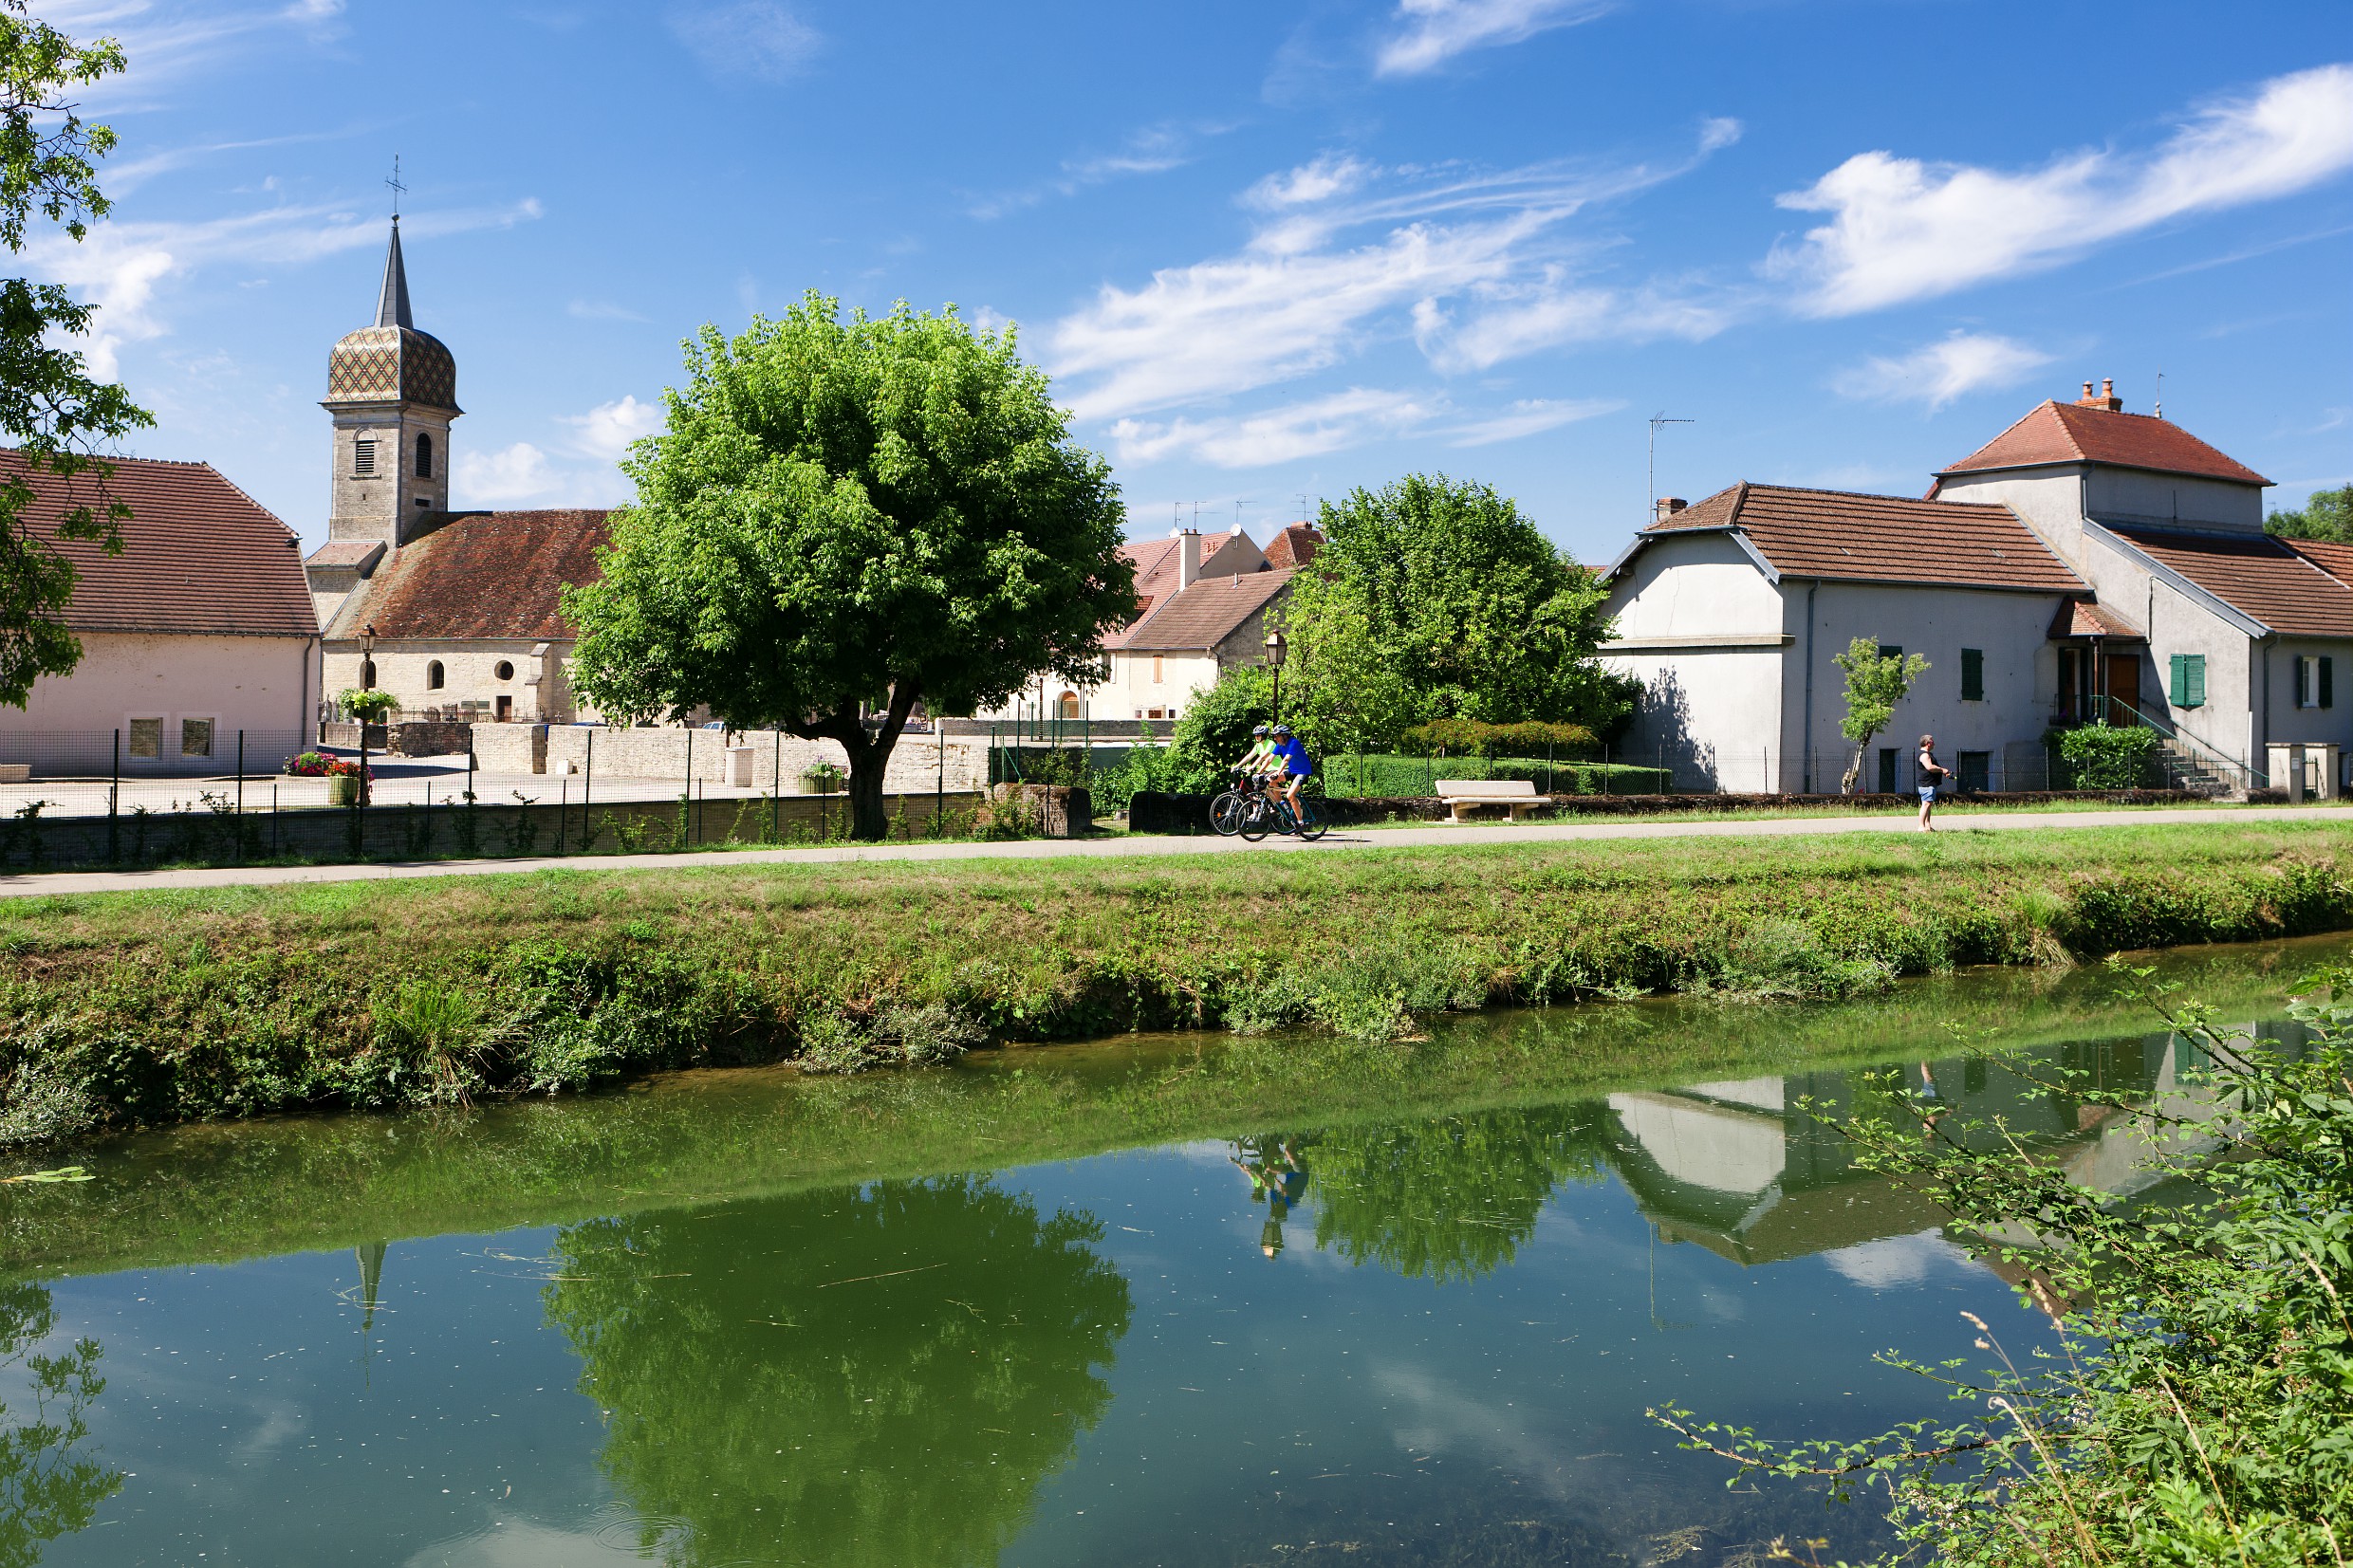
{"points": [[1188, 559], [2105, 398], [1669, 505]]}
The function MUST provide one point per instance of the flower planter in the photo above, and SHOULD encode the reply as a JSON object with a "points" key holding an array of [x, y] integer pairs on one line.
{"points": [[821, 783], [342, 789]]}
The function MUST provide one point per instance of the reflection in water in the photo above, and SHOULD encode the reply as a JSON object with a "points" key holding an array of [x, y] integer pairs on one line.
{"points": [[46, 1489], [1451, 1198], [1277, 1179], [882, 1375]]}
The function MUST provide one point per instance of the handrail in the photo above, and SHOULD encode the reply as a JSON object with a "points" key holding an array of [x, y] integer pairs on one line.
{"points": [[2248, 778]]}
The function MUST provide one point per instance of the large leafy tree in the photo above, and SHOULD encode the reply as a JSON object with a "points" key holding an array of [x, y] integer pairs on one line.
{"points": [[2327, 515], [843, 517], [52, 412], [1434, 598]]}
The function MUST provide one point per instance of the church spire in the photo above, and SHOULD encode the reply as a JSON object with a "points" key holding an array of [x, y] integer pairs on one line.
{"points": [[392, 305]]}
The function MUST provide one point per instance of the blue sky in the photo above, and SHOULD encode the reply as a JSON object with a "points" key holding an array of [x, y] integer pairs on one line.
{"points": [[1269, 249]]}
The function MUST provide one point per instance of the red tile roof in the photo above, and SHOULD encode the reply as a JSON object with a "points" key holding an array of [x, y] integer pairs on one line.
{"points": [[2074, 432], [1206, 614], [493, 574], [1294, 546], [2080, 617], [199, 556], [1881, 538], [2259, 575], [2329, 556]]}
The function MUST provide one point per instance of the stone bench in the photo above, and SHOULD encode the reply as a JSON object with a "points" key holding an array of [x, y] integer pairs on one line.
{"points": [[1517, 796]]}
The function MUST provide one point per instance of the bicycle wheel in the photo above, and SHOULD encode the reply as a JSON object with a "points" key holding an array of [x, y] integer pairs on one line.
{"points": [[1255, 819], [1311, 823], [1225, 813]]}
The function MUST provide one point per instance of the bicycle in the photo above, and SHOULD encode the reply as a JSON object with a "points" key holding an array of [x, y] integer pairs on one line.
{"points": [[1225, 812], [1268, 812]]}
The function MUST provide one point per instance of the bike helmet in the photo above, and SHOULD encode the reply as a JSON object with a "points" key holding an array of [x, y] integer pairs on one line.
{"points": [[1284, 730], [1260, 734]]}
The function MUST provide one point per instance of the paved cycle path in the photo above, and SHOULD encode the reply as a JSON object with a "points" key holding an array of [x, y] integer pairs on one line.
{"points": [[1338, 842]]}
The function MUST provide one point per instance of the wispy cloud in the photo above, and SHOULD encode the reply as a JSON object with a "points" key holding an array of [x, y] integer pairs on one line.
{"points": [[600, 310], [1153, 150], [1941, 372], [1438, 248], [1319, 425], [1431, 32], [168, 43], [1902, 229], [1529, 416], [122, 266], [759, 38]]}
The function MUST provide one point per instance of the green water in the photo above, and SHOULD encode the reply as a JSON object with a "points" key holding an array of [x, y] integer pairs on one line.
{"points": [[1167, 1300]]}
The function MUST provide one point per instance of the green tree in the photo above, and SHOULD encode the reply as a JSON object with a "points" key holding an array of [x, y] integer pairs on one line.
{"points": [[841, 517], [1433, 598], [1216, 726], [880, 1374], [1875, 683], [47, 1488], [2328, 514], [52, 412]]}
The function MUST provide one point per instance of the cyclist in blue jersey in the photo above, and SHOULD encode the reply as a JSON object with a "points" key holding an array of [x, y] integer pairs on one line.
{"points": [[1290, 754]]}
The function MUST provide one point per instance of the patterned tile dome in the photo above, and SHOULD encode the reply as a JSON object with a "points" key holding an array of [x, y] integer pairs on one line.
{"points": [[391, 364]]}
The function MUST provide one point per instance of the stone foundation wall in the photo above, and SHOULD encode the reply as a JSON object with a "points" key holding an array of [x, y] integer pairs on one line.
{"points": [[914, 766]]}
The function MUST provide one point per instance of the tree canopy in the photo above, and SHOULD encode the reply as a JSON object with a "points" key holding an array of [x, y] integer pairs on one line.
{"points": [[842, 518], [1434, 598], [52, 412], [2328, 514]]}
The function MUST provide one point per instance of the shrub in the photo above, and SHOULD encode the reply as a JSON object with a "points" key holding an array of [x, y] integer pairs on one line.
{"points": [[1385, 776], [1468, 737], [2101, 756]]}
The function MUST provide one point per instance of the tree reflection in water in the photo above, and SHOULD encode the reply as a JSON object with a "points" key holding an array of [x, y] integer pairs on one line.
{"points": [[877, 1375], [46, 1489], [1450, 1199]]}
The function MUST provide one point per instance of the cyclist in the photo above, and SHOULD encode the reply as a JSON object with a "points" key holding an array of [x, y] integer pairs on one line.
{"points": [[1292, 765], [1260, 757]]}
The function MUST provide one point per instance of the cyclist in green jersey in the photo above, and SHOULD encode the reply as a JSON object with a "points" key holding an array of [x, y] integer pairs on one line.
{"points": [[1259, 760]]}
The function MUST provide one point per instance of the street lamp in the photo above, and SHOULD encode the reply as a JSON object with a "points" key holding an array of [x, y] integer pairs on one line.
{"points": [[367, 682], [1276, 647]]}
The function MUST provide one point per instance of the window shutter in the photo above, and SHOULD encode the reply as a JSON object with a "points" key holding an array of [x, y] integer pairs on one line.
{"points": [[1891, 650], [2329, 673], [2198, 681], [1972, 675], [2177, 689]]}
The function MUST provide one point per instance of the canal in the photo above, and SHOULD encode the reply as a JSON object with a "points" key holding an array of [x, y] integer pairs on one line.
{"points": [[1164, 1300]]}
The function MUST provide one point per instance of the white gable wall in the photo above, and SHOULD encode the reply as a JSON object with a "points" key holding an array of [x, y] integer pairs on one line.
{"points": [[1701, 627]]}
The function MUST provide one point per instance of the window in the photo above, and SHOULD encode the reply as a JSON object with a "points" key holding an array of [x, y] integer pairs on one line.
{"points": [[1972, 675], [2187, 687], [1069, 705], [363, 456], [196, 737], [433, 677], [424, 456], [146, 737], [1891, 650], [505, 671], [1887, 770], [2315, 681]]}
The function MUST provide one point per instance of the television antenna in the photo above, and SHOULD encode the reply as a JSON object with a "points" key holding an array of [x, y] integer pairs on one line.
{"points": [[1657, 419]]}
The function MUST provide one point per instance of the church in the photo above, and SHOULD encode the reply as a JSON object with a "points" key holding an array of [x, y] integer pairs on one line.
{"points": [[457, 613]]}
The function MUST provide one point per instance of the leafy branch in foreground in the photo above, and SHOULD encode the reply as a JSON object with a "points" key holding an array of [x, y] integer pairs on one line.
{"points": [[2201, 1409]]}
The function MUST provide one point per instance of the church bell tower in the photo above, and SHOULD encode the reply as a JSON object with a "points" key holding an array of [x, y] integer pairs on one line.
{"points": [[393, 392]]}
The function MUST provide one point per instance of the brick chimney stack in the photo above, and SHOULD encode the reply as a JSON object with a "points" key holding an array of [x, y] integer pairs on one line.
{"points": [[2105, 398], [1188, 558], [1669, 505]]}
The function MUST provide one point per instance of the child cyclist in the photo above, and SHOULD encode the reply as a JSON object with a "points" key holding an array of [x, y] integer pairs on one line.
{"points": [[1259, 761]]}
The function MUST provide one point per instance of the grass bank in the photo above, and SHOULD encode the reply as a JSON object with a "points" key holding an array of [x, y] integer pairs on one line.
{"points": [[128, 1009], [220, 1193]]}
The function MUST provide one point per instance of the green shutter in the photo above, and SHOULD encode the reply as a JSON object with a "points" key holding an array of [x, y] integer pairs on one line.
{"points": [[2198, 681], [1972, 675], [2328, 681], [2177, 689], [1891, 650]]}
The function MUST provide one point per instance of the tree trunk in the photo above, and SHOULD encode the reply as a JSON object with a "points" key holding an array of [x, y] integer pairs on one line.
{"points": [[1854, 772], [870, 757]]}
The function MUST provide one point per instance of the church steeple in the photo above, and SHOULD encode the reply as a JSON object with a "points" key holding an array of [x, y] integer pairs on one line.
{"points": [[392, 303]]}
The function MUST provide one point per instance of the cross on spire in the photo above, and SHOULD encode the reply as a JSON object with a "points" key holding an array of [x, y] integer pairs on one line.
{"points": [[398, 190]]}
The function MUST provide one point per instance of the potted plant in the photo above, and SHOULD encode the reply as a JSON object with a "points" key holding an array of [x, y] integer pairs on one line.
{"points": [[341, 774], [370, 707], [821, 779]]}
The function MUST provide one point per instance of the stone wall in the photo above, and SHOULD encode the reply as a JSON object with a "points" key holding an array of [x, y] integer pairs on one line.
{"points": [[664, 753]]}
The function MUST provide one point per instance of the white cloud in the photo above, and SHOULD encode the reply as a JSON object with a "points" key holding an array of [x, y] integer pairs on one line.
{"points": [[1277, 435], [606, 431], [749, 38], [1941, 372], [1153, 150], [600, 310], [1530, 417], [1327, 176], [1904, 229], [513, 474], [1894, 1261], [1300, 297], [1435, 31]]}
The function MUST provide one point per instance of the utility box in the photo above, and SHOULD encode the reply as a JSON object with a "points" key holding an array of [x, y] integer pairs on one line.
{"points": [[739, 767]]}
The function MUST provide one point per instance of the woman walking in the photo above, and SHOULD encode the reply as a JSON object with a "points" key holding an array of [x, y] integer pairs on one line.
{"points": [[1930, 770]]}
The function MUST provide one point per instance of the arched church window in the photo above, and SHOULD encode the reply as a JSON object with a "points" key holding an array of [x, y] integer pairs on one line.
{"points": [[424, 457], [364, 455], [433, 675]]}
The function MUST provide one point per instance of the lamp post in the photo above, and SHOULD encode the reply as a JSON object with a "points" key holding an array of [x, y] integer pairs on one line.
{"points": [[367, 683], [1275, 648]]}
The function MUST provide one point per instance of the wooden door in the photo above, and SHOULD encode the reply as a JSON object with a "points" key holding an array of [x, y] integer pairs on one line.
{"points": [[2124, 689]]}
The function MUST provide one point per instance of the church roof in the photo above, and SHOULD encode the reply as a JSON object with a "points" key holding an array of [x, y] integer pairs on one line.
{"points": [[2056, 432], [199, 556], [495, 576], [392, 362]]}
